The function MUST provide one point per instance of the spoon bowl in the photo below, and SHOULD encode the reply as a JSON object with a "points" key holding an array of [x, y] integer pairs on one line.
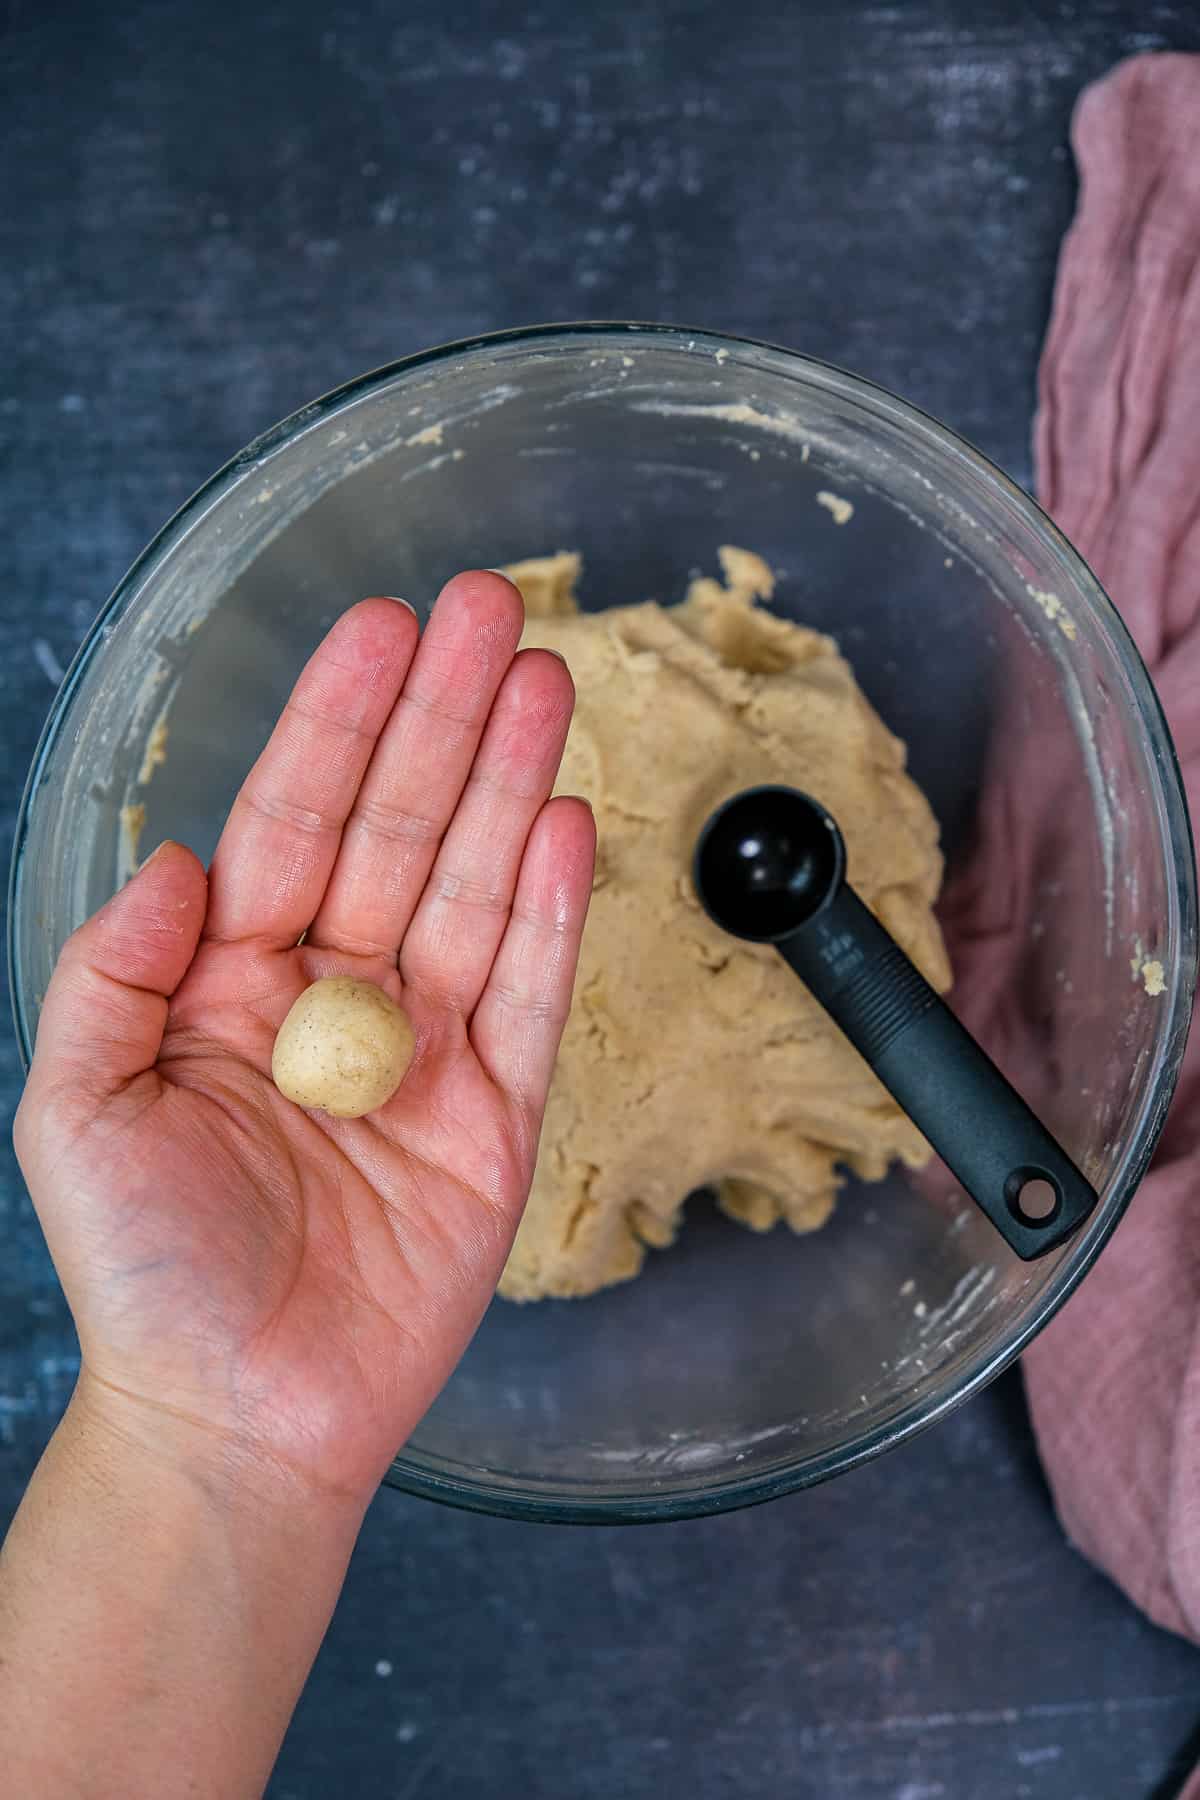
{"points": [[766, 862]]}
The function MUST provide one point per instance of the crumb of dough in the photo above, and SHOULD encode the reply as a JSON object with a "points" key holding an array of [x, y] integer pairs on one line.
{"points": [[1152, 978], [690, 1058], [432, 434], [1054, 610], [133, 823], [842, 510], [156, 749]]}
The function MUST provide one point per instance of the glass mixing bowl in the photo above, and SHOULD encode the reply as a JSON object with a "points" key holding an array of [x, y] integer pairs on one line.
{"points": [[734, 1368]]}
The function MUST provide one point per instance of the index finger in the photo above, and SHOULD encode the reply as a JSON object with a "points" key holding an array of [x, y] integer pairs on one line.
{"points": [[281, 839]]}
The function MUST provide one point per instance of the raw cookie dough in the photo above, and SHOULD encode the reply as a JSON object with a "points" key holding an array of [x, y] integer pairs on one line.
{"points": [[691, 1058]]}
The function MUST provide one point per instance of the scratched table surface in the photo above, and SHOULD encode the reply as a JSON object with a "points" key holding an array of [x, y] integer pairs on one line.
{"points": [[213, 213]]}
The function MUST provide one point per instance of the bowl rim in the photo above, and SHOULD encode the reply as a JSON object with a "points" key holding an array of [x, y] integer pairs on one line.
{"points": [[511, 1499]]}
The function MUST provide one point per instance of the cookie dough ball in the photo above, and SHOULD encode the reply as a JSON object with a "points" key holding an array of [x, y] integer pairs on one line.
{"points": [[344, 1047]]}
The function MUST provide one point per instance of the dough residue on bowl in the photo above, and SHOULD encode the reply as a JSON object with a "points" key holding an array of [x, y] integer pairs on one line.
{"points": [[840, 509], [132, 818], [155, 754], [691, 1058]]}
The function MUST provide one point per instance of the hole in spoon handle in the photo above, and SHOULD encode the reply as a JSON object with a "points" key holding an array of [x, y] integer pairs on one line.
{"points": [[999, 1150]]}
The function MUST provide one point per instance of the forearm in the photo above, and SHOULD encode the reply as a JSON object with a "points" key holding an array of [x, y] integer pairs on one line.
{"points": [[160, 1608]]}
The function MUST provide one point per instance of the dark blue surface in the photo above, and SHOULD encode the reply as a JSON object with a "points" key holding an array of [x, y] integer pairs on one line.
{"points": [[212, 214]]}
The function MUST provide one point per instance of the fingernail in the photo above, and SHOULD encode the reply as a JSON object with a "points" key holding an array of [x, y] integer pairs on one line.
{"points": [[399, 602], [165, 845], [562, 659]]}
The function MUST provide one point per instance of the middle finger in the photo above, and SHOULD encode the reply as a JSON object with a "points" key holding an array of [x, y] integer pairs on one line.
{"points": [[420, 765], [463, 913]]}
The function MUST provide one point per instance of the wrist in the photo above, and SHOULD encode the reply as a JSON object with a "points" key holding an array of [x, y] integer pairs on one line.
{"points": [[162, 1596], [154, 1457]]}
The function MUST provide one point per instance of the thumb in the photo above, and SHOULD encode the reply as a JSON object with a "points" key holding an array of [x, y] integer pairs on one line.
{"points": [[106, 1006]]}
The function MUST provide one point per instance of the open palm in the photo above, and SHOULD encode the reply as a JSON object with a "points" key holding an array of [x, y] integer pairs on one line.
{"points": [[297, 1284]]}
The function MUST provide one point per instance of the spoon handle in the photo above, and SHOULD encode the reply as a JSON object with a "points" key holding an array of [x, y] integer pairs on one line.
{"points": [[953, 1092]]}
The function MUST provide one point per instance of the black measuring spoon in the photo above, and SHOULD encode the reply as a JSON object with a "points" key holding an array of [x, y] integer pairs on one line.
{"points": [[770, 866]]}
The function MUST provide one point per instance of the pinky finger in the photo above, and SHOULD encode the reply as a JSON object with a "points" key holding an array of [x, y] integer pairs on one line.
{"points": [[522, 1011]]}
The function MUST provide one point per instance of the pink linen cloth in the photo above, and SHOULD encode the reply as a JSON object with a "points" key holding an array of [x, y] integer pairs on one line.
{"points": [[1114, 1381]]}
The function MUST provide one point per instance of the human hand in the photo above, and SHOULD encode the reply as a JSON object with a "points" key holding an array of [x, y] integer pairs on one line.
{"points": [[291, 1288]]}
